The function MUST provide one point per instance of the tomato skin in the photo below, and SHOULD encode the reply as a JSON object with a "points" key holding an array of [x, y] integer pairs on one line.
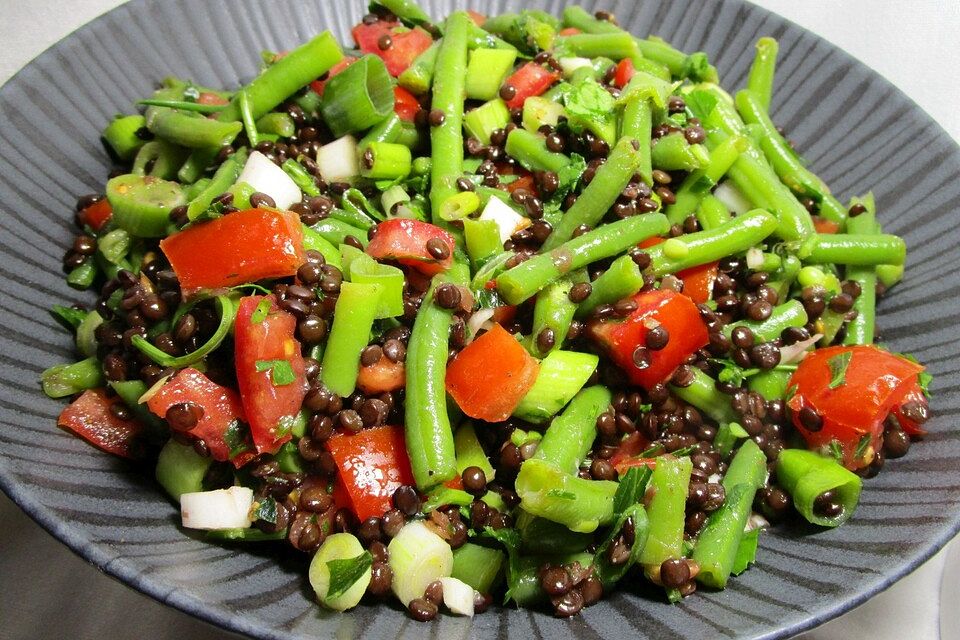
{"points": [[624, 72], [504, 314], [910, 426], [488, 378], [210, 98], [405, 104], [406, 240], [698, 281], [318, 86], [383, 376], [406, 45], [627, 451], [477, 17], [372, 464], [875, 382], [96, 215], [529, 80], [90, 418], [823, 225], [244, 246], [524, 182], [264, 403], [569, 31], [221, 408], [678, 315]]}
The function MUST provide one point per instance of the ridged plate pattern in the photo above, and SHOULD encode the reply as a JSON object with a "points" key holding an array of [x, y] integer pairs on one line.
{"points": [[856, 129]]}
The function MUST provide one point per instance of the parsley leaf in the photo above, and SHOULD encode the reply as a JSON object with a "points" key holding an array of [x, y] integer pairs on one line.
{"points": [[838, 368], [345, 572], [862, 445], [630, 491], [266, 510], [281, 373], [260, 313], [591, 107], [237, 438], [69, 317], [924, 379], [700, 103], [836, 450]]}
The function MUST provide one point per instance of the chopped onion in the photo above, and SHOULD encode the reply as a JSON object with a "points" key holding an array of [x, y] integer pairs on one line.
{"points": [[339, 546], [418, 556], [797, 351], [458, 596], [756, 521], [264, 176], [220, 509], [152, 391], [508, 221], [481, 319], [732, 198], [338, 160], [754, 258], [569, 65]]}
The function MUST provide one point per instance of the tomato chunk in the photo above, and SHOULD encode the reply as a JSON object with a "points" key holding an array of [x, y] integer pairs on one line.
{"points": [[222, 425], [569, 31], [491, 375], [529, 80], [244, 246], [405, 104], [697, 281], [270, 371], [867, 383], [318, 85], [382, 376], [371, 465], [624, 72], [89, 417], [822, 225], [406, 241], [621, 338], [405, 44], [96, 215], [628, 452]]}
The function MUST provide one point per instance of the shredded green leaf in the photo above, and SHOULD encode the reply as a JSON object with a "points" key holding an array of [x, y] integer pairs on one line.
{"points": [[344, 573], [746, 552], [260, 313], [924, 379], [281, 373], [632, 486], [237, 438], [266, 510], [838, 368], [836, 450], [862, 446]]}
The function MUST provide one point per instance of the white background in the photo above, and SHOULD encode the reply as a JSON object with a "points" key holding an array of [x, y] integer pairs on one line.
{"points": [[915, 44]]}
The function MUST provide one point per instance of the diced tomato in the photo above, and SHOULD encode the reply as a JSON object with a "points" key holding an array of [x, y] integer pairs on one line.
{"points": [[406, 240], [96, 215], [265, 350], [569, 31], [406, 44], [89, 417], [456, 482], [529, 80], [621, 338], [477, 17], [697, 281], [382, 376], [371, 464], [221, 427], [503, 314], [523, 182], [822, 225], [627, 451], [319, 85], [245, 246], [624, 72], [491, 375], [208, 97], [865, 388], [405, 104], [908, 424]]}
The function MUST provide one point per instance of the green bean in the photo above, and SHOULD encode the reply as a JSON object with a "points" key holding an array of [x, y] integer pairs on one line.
{"points": [[616, 45], [695, 189], [67, 379], [570, 436], [277, 123], [672, 152], [860, 328], [121, 135], [428, 432], [553, 312], [772, 384], [582, 505], [388, 130], [598, 196], [196, 163], [165, 157], [469, 452], [183, 105], [789, 268], [621, 280], [418, 77], [806, 475], [693, 249], [853, 249], [703, 394], [524, 280], [712, 213], [666, 510], [542, 536], [636, 123], [336, 231], [225, 176], [353, 318], [789, 314], [760, 80], [284, 78], [530, 150], [446, 140], [189, 129], [407, 10]]}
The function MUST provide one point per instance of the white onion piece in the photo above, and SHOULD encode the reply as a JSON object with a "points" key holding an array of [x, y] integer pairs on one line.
{"points": [[756, 521], [569, 65], [730, 196], [479, 321], [508, 221], [338, 160], [220, 509], [418, 556], [754, 258], [797, 351], [458, 596], [152, 391], [264, 176]]}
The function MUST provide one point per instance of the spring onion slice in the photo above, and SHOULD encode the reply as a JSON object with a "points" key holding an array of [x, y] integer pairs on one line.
{"points": [[227, 314]]}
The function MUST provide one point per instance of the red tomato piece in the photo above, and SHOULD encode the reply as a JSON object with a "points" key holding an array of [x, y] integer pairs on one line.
{"points": [[910, 425], [208, 97], [219, 427], [524, 182], [675, 312], [382, 376], [319, 85], [261, 340], [90, 418], [529, 80], [96, 215], [569, 31], [870, 384], [456, 482], [822, 225], [406, 44], [477, 17], [697, 281], [503, 314], [491, 375], [371, 464], [627, 451], [244, 246], [405, 104], [624, 72], [406, 240]]}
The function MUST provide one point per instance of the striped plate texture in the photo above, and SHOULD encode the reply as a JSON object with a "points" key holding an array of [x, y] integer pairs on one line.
{"points": [[856, 129]]}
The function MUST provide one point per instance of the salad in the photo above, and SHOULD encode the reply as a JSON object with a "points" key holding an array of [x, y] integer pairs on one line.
{"points": [[505, 309]]}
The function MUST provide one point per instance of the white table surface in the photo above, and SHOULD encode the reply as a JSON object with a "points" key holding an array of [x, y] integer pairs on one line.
{"points": [[56, 594]]}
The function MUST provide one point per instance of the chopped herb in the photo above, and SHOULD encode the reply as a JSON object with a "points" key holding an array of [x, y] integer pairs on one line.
{"points": [[237, 438], [266, 510], [838, 368], [191, 93], [653, 450], [836, 450], [862, 446], [281, 373], [260, 313], [924, 379], [791, 391], [69, 317], [684, 451], [630, 491], [345, 573]]}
